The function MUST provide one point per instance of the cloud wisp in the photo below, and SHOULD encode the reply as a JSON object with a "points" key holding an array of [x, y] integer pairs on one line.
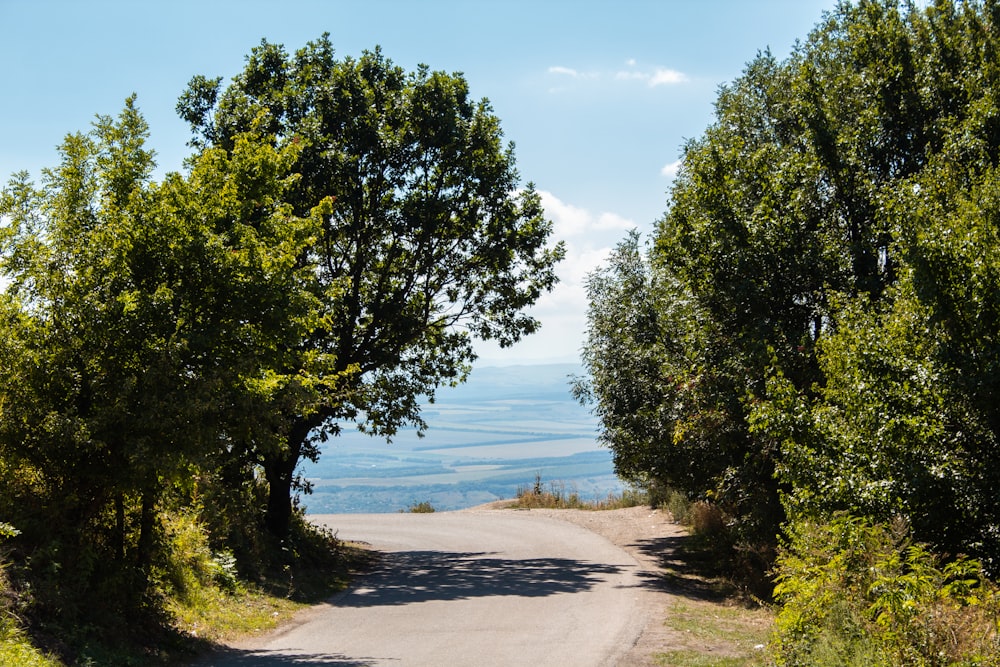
{"points": [[671, 170], [590, 238], [652, 77]]}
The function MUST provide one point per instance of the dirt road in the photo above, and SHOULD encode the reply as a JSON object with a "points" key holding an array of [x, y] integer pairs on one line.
{"points": [[479, 587]]}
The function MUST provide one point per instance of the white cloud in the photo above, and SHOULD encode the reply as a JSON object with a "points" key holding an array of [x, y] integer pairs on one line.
{"points": [[570, 221], [567, 220], [589, 240], [659, 76], [614, 222], [667, 77], [566, 71], [671, 170]]}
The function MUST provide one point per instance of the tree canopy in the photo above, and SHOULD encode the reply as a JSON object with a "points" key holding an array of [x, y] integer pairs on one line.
{"points": [[341, 234], [817, 321], [429, 242]]}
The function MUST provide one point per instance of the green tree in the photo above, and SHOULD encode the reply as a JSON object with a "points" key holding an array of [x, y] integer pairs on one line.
{"points": [[142, 323], [830, 240], [430, 242]]}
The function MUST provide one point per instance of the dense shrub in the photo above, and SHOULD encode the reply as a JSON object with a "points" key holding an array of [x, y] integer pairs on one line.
{"points": [[854, 592]]}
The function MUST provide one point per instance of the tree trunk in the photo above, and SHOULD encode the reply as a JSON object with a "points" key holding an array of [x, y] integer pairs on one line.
{"points": [[147, 532], [279, 471]]}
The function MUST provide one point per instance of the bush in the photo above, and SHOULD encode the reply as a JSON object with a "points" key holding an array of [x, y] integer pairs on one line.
{"points": [[423, 507], [189, 562], [858, 593]]}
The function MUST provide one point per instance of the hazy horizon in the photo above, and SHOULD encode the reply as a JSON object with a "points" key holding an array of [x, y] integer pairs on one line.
{"points": [[485, 439]]}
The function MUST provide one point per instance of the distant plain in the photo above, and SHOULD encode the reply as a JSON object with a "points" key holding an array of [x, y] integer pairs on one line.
{"points": [[498, 432]]}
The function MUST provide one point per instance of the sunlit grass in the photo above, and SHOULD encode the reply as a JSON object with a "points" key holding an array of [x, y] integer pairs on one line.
{"points": [[698, 659], [16, 649], [215, 615], [719, 635]]}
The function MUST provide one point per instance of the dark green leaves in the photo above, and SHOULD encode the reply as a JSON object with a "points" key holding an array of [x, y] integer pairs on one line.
{"points": [[831, 239]]}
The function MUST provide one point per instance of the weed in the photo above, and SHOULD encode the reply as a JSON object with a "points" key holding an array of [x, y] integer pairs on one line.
{"points": [[678, 505], [16, 647], [424, 507], [699, 659]]}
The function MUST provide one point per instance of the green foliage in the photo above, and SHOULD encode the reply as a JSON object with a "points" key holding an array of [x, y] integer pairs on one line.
{"points": [[137, 321], [15, 649], [426, 241], [15, 645], [859, 593], [813, 327], [423, 507], [189, 563]]}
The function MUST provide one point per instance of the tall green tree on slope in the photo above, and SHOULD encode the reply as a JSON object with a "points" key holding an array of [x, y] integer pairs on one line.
{"points": [[138, 321], [840, 203], [430, 242]]}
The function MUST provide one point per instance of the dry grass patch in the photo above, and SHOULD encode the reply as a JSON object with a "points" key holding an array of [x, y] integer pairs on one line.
{"points": [[559, 495]]}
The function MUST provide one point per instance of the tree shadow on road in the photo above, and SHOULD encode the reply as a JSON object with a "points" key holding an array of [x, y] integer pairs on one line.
{"points": [[261, 658], [408, 577]]}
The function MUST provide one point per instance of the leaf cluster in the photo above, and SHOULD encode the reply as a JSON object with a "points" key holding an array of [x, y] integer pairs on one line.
{"points": [[858, 593]]}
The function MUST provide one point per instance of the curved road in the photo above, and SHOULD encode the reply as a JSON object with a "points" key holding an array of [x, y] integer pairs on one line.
{"points": [[471, 588]]}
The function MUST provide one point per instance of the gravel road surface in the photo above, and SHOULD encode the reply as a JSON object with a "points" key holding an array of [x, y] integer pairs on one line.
{"points": [[473, 588]]}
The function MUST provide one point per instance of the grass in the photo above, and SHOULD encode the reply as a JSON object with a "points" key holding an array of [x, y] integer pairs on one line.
{"points": [[198, 616], [215, 615], [714, 619], [696, 659], [324, 566], [555, 495], [716, 634], [16, 649]]}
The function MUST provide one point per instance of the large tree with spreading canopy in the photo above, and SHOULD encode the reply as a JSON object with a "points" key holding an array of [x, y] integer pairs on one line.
{"points": [[428, 241]]}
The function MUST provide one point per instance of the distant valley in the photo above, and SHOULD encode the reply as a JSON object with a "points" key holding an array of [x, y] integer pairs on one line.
{"points": [[485, 439]]}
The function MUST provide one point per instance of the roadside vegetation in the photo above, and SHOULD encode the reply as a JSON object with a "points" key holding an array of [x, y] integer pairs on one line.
{"points": [[560, 495], [423, 507], [202, 599], [806, 348], [716, 633], [171, 351], [806, 352]]}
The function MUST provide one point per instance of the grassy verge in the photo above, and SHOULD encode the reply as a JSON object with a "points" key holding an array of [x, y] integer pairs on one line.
{"points": [[717, 634], [212, 614], [16, 649], [197, 609], [712, 619]]}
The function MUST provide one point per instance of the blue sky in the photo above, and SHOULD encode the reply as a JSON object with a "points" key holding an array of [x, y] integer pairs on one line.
{"points": [[598, 97]]}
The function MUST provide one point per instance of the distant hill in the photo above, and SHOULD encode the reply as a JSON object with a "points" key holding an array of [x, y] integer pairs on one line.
{"points": [[543, 382]]}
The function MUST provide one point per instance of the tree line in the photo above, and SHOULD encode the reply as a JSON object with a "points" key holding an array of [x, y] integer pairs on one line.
{"points": [[814, 326], [340, 234]]}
